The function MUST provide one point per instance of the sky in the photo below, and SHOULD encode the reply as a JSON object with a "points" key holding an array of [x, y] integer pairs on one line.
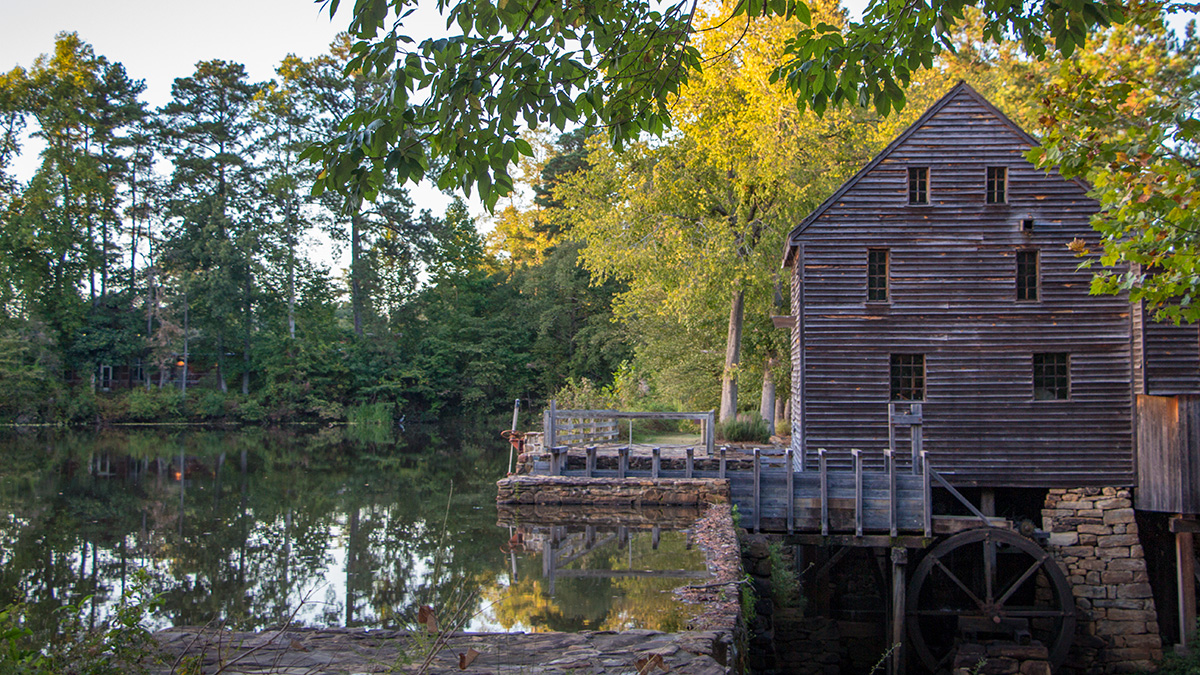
{"points": [[160, 40]]}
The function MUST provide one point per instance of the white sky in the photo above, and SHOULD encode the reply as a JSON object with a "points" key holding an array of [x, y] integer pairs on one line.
{"points": [[160, 40]]}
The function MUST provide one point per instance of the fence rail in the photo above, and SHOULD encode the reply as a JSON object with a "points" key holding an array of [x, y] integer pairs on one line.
{"points": [[580, 427]]}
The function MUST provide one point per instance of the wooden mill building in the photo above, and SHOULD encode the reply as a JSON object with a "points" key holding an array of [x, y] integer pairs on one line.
{"points": [[936, 288]]}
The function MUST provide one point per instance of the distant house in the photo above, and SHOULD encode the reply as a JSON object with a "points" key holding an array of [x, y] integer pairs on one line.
{"points": [[940, 275]]}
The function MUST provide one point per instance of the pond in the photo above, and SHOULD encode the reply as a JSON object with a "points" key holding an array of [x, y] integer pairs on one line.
{"points": [[323, 527]]}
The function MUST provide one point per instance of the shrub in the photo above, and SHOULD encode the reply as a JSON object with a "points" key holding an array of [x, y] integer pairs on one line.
{"points": [[153, 405], [785, 589], [752, 430]]}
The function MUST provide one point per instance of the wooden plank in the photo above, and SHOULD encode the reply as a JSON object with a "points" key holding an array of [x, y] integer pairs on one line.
{"points": [[858, 493], [757, 489], [552, 417], [590, 464], [791, 493], [824, 491], [1180, 524], [723, 449], [621, 415], [622, 462], [655, 462], [690, 463]]}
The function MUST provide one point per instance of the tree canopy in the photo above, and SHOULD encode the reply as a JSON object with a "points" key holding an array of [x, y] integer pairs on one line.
{"points": [[455, 106]]}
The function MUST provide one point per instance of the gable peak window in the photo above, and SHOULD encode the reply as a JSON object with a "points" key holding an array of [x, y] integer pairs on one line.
{"points": [[1028, 276], [878, 271], [908, 377], [997, 185], [1051, 377], [918, 185]]}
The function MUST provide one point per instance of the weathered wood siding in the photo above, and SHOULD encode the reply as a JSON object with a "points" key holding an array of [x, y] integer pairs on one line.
{"points": [[1170, 358], [1168, 453], [953, 298]]}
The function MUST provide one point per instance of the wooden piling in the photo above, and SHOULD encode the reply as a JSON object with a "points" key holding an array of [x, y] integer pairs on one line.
{"points": [[655, 462], [791, 490], [622, 462], [757, 489], [591, 460], [723, 449], [858, 492], [824, 492], [690, 466]]}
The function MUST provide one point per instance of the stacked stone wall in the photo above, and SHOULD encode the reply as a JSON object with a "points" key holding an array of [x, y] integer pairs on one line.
{"points": [[1094, 535], [519, 489]]}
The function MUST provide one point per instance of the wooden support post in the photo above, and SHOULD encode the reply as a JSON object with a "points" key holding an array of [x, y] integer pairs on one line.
{"points": [[589, 536], [591, 460], [892, 427], [889, 458], [926, 495], [710, 433], [622, 462], [858, 492], [555, 469], [723, 450], [757, 489], [690, 467], [791, 490], [915, 430], [655, 461], [550, 426], [1185, 565], [899, 561], [824, 492]]}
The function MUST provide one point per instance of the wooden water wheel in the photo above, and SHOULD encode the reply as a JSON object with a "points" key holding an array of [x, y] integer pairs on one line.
{"points": [[988, 583]]}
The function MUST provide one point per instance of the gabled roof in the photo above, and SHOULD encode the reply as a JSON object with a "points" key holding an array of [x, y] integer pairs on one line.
{"points": [[961, 88]]}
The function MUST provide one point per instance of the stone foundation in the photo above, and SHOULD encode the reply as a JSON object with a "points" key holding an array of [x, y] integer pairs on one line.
{"points": [[636, 492], [1002, 658], [1095, 538]]}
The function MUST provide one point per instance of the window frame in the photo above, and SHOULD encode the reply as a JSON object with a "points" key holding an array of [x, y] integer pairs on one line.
{"points": [[920, 176], [1053, 376], [872, 290], [990, 184], [1018, 276], [908, 382]]}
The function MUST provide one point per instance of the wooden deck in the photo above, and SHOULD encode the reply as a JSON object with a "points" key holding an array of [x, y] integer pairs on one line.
{"points": [[859, 507]]}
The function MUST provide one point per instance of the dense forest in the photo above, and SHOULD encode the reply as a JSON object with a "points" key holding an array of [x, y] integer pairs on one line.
{"points": [[161, 264]]}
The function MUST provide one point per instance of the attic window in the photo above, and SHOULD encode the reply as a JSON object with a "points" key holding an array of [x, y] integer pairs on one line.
{"points": [[908, 377], [1051, 377], [997, 184], [877, 275], [918, 185], [1027, 225], [1027, 275]]}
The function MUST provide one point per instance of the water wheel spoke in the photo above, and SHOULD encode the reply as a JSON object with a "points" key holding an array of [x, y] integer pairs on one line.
{"points": [[989, 569], [1035, 613], [959, 583], [1020, 580]]}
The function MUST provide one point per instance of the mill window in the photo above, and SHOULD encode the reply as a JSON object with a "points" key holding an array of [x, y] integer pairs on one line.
{"points": [[877, 275], [908, 377], [1051, 377], [997, 184], [1027, 275], [918, 185]]}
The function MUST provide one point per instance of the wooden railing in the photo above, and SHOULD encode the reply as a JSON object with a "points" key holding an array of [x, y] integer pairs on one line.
{"points": [[580, 427], [771, 492]]}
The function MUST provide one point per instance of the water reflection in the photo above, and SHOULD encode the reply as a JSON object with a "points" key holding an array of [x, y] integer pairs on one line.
{"points": [[255, 527]]}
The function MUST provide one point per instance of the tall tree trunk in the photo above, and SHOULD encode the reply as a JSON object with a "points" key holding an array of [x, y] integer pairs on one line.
{"points": [[733, 352], [221, 361], [781, 412], [766, 405], [247, 322], [356, 303], [292, 268]]}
